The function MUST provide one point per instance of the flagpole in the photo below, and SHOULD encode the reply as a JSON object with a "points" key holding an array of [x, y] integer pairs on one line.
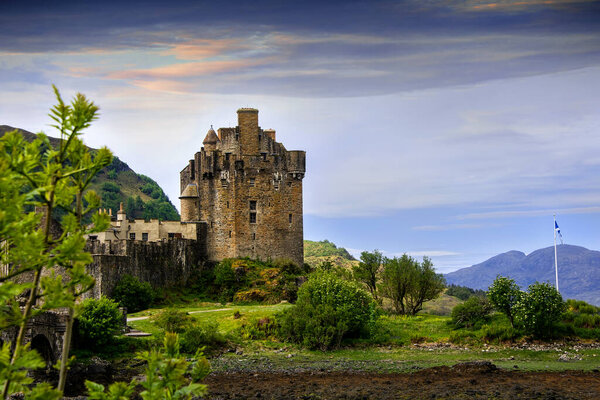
{"points": [[555, 258]]}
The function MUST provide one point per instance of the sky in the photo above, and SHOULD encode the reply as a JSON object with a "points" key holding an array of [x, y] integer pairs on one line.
{"points": [[452, 129]]}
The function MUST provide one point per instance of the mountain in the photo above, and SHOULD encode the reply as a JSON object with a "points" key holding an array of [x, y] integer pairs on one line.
{"points": [[316, 253], [578, 271], [142, 197]]}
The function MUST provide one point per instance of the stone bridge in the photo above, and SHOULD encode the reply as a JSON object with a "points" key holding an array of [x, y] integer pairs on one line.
{"points": [[45, 333]]}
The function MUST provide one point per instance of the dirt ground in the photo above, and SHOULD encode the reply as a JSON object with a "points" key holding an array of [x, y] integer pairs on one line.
{"points": [[475, 380]]}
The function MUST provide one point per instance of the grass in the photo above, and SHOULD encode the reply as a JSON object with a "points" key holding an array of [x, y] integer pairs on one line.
{"points": [[390, 352]]}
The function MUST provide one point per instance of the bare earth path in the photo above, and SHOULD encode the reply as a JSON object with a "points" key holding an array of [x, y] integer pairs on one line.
{"points": [[462, 381]]}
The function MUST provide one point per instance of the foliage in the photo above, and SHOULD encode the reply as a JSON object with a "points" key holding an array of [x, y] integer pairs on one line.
{"points": [[201, 335], [463, 292], [409, 283], [110, 187], [367, 270], [583, 317], [54, 180], [539, 310], [473, 312], [172, 320], [504, 294], [259, 328], [247, 280], [328, 310], [131, 293], [168, 375], [325, 248], [99, 321]]}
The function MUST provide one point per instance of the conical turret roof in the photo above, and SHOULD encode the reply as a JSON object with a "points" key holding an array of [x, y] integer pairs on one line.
{"points": [[211, 137], [191, 190]]}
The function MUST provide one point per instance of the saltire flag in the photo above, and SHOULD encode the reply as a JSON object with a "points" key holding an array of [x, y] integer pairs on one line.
{"points": [[557, 230]]}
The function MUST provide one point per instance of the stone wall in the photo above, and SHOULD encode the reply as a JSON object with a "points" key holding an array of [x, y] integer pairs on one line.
{"points": [[168, 263]]}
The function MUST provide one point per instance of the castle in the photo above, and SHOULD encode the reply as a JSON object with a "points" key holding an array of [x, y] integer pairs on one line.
{"points": [[247, 188], [241, 196]]}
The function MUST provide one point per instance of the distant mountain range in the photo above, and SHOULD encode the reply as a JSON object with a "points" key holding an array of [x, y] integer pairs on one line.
{"points": [[116, 183], [578, 271]]}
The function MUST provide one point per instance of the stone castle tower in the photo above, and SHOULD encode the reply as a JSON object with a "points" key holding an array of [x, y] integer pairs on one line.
{"points": [[247, 188]]}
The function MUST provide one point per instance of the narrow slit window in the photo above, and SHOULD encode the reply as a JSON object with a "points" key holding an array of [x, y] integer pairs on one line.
{"points": [[253, 205], [252, 217], [290, 218], [254, 236], [230, 234]]}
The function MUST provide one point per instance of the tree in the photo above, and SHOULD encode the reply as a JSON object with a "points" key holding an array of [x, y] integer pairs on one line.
{"points": [[397, 277], [409, 283], [428, 286], [48, 264], [368, 269], [504, 294], [538, 310]]}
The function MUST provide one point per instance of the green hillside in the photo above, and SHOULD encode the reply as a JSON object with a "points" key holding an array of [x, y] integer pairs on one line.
{"points": [[142, 197], [316, 253]]}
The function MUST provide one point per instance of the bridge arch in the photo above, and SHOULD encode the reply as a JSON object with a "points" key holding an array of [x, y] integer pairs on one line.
{"points": [[42, 345]]}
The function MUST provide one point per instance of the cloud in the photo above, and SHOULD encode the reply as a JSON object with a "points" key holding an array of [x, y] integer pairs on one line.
{"points": [[529, 213], [448, 227]]}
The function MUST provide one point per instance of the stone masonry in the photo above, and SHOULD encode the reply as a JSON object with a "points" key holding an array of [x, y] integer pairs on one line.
{"points": [[247, 188]]}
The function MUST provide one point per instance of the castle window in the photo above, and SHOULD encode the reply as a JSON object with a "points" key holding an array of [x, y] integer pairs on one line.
{"points": [[252, 217], [229, 234], [132, 236], [264, 156], [253, 205], [171, 235], [254, 236], [252, 181], [290, 218], [227, 155], [227, 204], [145, 236]]}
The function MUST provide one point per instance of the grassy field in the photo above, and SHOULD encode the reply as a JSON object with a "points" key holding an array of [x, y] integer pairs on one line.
{"points": [[407, 344]]}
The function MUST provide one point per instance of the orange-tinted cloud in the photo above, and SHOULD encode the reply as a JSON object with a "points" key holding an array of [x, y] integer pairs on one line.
{"points": [[187, 70], [483, 5], [200, 49]]}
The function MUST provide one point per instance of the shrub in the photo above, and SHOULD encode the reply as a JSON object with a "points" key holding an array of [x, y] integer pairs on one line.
{"points": [[133, 294], [195, 337], [110, 187], [259, 328], [328, 310], [99, 321], [504, 294], [475, 311], [463, 292], [172, 320], [252, 295], [539, 310]]}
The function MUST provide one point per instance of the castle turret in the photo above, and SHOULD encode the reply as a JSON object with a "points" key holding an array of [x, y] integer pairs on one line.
{"points": [[270, 133], [248, 125], [211, 140], [189, 203]]}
